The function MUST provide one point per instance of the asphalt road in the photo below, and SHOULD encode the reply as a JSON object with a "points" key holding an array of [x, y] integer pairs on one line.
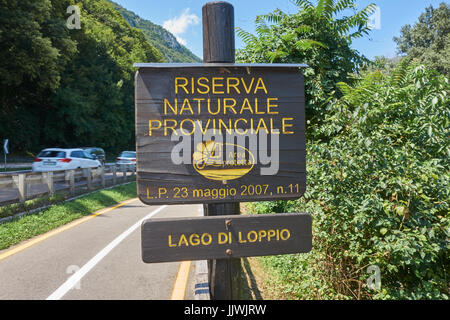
{"points": [[99, 258]]}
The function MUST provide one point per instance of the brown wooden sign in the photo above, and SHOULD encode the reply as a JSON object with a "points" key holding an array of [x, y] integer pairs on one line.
{"points": [[180, 239], [219, 133]]}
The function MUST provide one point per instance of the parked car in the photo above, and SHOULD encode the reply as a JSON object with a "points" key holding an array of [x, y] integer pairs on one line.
{"points": [[53, 159], [96, 153], [127, 158]]}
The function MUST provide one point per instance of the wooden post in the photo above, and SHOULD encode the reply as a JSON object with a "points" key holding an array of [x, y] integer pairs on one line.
{"points": [[218, 32], [224, 274], [72, 181], [21, 185], [218, 46], [50, 185], [102, 176], [114, 174], [89, 178]]}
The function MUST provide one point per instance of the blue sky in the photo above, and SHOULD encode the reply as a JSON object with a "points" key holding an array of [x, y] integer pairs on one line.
{"points": [[183, 18]]}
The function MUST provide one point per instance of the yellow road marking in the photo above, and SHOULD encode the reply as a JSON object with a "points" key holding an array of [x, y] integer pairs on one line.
{"points": [[179, 288], [61, 229]]}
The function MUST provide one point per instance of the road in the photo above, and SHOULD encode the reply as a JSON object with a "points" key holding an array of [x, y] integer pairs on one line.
{"points": [[15, 165], [97, 257]]}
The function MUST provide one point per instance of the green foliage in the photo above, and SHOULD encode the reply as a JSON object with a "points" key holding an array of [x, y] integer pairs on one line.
{"points": [[16, 208], [95, 103], [30, 65], [383, 63], [315, 36], [378, 191], [27, 53], [68, 88], [428, 41]]}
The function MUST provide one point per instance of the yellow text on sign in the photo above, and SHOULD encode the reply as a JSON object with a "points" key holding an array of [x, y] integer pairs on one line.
{"points": [[221, 238], [250, 109], [219, 85]]}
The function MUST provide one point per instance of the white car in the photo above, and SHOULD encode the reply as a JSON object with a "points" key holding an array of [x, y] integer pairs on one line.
{"points": [[127, 158], [54, 159]]}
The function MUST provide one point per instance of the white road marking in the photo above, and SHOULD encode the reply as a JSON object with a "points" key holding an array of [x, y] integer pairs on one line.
{"points": [[77, 276]]}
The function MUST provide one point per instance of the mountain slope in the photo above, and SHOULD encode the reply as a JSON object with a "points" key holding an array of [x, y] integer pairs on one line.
{"points": [[159, 37]]}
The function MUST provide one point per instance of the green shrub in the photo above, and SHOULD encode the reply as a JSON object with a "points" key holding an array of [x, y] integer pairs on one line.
{"points": [[319, 35], [378, 191]]}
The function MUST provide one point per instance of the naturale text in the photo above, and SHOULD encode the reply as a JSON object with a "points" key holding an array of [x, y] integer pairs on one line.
{"points": [[226, 104]]}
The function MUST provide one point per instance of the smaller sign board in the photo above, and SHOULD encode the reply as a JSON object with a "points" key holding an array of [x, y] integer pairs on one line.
{"points": [[219, 237], [5, 146]]}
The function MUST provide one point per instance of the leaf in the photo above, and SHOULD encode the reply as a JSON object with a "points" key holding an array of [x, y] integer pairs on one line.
{"points": [[276, 55], [288, 37], [304, 29], [344, 88], [434, 101], [305, 44], [246, 36], [399, 210]]}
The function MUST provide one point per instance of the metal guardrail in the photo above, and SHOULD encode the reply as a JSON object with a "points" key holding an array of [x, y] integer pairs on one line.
{"points": [[19, 187]]}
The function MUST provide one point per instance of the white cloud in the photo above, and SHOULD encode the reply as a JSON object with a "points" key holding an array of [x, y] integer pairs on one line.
{"points": [[181, 40], [179, 25]]}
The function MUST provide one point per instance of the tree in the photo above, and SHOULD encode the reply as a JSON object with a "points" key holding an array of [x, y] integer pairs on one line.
{"points": [[61, 87], [315, 35], [428, 40], [35, 47], [94, 105]]}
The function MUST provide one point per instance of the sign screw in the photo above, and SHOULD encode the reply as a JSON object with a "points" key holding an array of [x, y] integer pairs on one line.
{"points": [[227, 223], [229, 252]]}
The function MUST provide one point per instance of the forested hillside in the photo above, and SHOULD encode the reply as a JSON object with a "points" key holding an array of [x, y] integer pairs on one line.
{"points": [[159, 37], [62, 87]]}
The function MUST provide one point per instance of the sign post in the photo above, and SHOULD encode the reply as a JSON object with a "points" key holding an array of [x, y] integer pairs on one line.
{"points": [[219, 46], [220, 133], [5, 149]]}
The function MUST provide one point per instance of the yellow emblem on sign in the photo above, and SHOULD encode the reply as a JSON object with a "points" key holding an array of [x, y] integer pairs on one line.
{"points": [[210, 160]]}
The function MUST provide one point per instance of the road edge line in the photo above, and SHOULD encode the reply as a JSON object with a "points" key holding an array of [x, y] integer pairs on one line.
{"points": [[179, 289], [73, 280]]}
